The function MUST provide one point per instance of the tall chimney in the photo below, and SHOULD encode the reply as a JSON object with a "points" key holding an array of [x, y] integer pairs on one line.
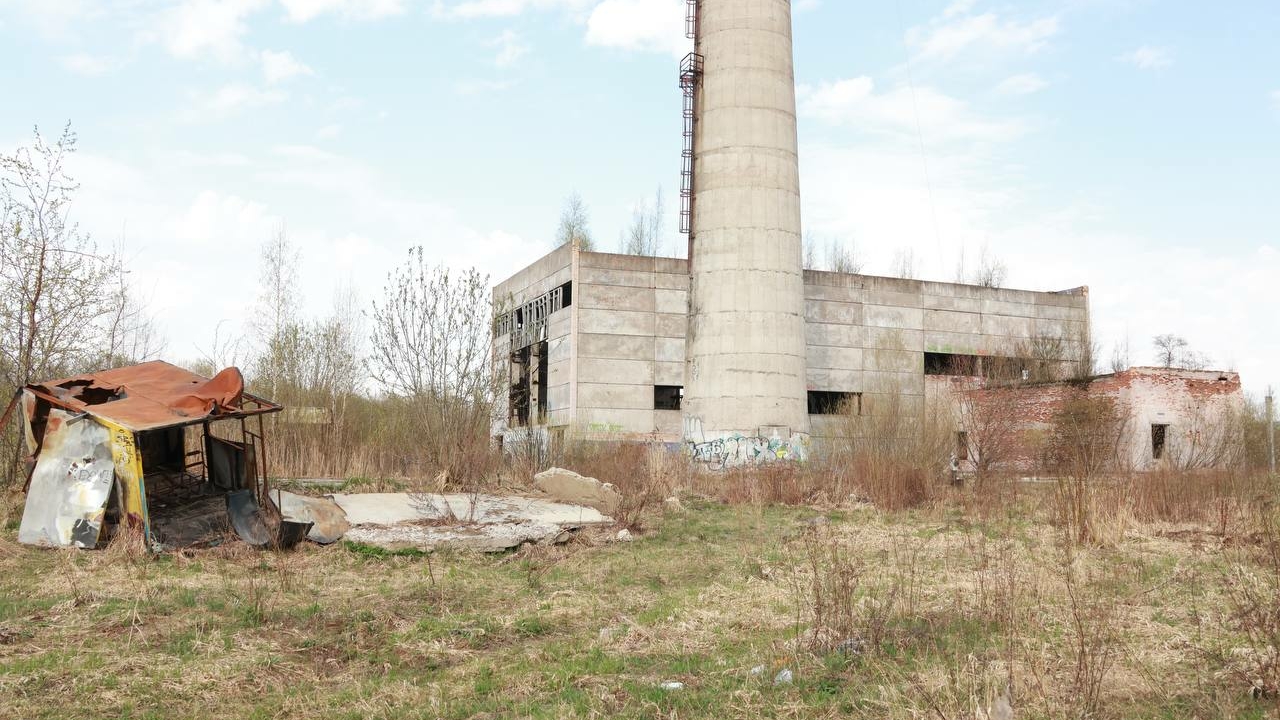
{"points": [[745, 372]]}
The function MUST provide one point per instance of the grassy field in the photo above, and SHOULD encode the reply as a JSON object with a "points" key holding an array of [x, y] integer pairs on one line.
{"points": [[927, 613]]}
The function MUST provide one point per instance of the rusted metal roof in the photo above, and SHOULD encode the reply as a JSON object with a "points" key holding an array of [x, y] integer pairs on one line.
{"points": [[153, 395]]}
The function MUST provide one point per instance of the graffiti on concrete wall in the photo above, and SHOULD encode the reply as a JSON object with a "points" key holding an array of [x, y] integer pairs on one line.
{"points": [[740, 451]]}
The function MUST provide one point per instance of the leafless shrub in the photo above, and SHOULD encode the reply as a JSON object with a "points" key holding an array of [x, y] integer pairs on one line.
{"points": [[891, 449], [1251, 585], [1095, 640], [847, 603], [1084, 448], [431, 349]]}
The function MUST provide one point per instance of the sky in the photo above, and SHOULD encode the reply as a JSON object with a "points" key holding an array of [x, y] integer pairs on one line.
{"points": [[1132, 146]]}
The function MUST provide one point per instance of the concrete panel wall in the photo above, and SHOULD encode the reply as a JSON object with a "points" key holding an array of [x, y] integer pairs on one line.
{"points": [[632, 317], [626, 332]]}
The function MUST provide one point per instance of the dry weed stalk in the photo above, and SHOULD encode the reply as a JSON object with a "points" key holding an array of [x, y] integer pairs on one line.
{"points": [[1095, 640]]}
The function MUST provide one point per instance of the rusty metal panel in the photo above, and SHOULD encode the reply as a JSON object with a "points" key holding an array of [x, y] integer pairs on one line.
{"points": [[153, 395], [71, 484]]}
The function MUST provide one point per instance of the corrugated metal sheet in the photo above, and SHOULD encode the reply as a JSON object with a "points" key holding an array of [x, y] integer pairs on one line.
{"points": [[152, 395], [71, 484]]}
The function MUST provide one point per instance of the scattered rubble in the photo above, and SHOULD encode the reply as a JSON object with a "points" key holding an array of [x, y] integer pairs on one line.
{"points": [[570, 487], [624, 535], [784, 677]]}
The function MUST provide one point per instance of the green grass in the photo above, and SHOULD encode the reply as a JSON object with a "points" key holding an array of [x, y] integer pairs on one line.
{"points": [[593, 629]]}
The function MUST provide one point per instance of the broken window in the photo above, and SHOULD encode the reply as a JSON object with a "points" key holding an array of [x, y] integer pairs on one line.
{"points": [[951, 364], [827, 402], [667, 397], [1158, 434], [526, 324]]}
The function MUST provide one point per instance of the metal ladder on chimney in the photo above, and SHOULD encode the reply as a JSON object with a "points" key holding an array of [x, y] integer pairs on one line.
{"points": [[690, 74]]}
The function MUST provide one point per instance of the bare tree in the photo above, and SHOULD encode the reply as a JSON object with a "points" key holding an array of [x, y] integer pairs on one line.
{"points": [[280, 335], [904, 264], [842, 258], [1174, 351], [989, 416], [991, 271], [56, 288], [810, 247], [574, 224], [1169, 349], [431, 347], [131, 335], [644, 235], [1120, 356]]}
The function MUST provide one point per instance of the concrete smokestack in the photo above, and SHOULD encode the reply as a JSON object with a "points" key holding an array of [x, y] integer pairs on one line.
{"points": [[746, 340]]}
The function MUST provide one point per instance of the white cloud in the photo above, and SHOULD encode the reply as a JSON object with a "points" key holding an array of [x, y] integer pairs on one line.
{"points": [[1023, 84], [194, 28], [229, 100], [900, 112], [652, 25], [1148, 58], [468, 9], [510, 48], [306, 10], [957, 30], [89, 65], [478, 86], [280, 66], [329, 132]]}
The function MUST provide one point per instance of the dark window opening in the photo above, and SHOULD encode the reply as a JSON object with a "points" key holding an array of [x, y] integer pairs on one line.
{"points": [[667, 397], [827, 402], [1158, 435], [962, 446], [519, 392], [951, 364], [543, 368], [566, 295]]}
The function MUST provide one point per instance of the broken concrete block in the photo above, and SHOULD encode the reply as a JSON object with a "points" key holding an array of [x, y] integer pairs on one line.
{"points": [[568, 486], [329, 521]]}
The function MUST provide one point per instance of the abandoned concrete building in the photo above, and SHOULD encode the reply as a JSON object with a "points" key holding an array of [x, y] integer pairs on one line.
{"points": [[595, 343], [593, 346]]}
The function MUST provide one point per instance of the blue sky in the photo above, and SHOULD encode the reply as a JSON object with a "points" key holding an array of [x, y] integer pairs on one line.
{"points": [[1132, 146]]}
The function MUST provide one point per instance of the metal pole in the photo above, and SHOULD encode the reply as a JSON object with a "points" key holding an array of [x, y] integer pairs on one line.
{"points": [[1271, 430]]}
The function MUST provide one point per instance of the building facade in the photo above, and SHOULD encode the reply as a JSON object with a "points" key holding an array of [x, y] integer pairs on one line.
{"points": [[593, 345]]}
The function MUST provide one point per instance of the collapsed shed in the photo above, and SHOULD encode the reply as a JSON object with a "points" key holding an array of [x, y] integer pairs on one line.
{"points": [[153, 446]]}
